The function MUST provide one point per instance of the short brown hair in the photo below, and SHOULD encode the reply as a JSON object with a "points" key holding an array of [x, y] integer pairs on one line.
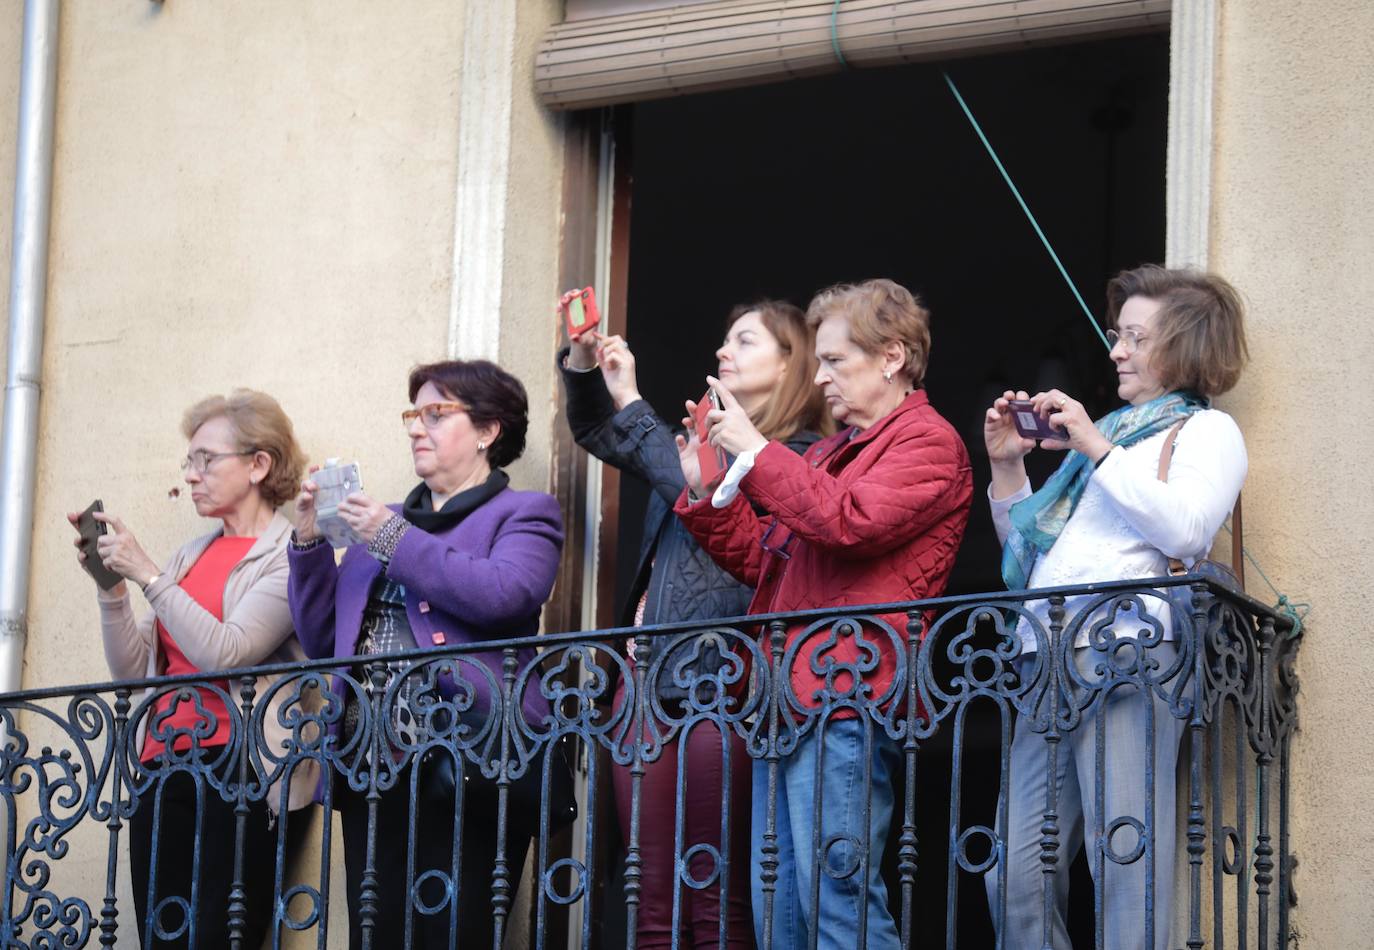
{"points": [[489, 394], [260, 425], [879, 312], [796, 403], [1199, 340]]}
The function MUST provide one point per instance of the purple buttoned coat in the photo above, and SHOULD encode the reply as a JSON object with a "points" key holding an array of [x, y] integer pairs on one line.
{"points": [[484, 579]]}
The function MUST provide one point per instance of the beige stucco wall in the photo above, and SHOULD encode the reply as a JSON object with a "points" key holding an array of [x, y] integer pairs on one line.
{"points": [[529, 328], [255, 194], [1293, 226]]}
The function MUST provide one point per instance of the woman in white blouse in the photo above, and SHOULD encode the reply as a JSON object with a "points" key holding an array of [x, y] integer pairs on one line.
{"points": [[1178, 340]]}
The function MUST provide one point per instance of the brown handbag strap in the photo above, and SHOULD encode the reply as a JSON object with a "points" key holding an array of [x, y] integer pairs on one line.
{"points": [[1176, 567], [1166, 455]]}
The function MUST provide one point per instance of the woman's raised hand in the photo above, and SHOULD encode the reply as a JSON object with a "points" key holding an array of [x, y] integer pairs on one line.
{"points": [[1069, 414], [618, 368], [731, 427], [581, 348], [304, 519], [687, 446], [1005, 445]]}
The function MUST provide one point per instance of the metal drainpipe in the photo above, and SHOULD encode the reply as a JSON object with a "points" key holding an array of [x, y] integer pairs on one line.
{"points": [[28, 301]]}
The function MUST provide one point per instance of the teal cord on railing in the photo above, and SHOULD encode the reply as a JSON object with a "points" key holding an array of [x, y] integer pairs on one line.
{"points": [[1022, 202], [835, 34], [1294, 611]]}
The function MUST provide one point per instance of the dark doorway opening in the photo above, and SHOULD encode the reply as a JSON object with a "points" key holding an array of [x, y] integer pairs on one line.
{"points": [[781, 190]]}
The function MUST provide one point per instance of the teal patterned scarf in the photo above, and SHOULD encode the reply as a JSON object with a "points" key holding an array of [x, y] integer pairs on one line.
{"points": [[1037, 521]]}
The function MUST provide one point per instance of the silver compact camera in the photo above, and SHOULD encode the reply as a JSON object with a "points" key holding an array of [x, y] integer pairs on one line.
{"points": [[336, 482]]}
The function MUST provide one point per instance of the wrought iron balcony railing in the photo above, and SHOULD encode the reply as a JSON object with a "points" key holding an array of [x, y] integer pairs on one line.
{"points": [[72, 775]]}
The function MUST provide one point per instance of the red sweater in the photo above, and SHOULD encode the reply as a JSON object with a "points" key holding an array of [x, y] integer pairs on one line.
{"points": [[205, 583], [869, 517]]}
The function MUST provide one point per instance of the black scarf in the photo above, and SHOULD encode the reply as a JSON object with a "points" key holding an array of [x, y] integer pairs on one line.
{"points": [[418, 508]]}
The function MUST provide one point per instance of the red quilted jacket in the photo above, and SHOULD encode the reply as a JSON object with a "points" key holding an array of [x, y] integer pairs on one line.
{"points": [[861, 518]]}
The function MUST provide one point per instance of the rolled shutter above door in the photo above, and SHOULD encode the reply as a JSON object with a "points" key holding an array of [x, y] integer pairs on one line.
{"points": [[702, 47]]}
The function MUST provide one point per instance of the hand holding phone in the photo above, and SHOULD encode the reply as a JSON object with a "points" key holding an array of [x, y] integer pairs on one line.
{"points": [[1031, 424], [711, 458], [579, 311], [89, 532], [333, 483]]}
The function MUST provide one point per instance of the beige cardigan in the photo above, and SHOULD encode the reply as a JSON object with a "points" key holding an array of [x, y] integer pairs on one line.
{"points": [[256, 629]]}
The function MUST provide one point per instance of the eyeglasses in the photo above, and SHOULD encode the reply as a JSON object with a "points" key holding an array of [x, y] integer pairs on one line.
{"points": [[201, 459], [432, 414], [1130, 340]]}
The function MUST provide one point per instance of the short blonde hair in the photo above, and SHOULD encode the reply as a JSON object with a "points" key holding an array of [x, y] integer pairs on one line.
{"points": [[260, 425], [879, 312], [1199, 338]]}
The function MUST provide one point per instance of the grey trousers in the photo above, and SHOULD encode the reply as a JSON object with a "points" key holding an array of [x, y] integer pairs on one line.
{"points": [[1123, 788]]}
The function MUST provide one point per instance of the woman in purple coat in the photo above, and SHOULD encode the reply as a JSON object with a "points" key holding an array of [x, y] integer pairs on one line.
{"points": [[464, 558]]}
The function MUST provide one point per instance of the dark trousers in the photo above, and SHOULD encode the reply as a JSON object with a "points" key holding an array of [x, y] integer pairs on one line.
{"points": [[433, 851], [179, 825], [702, 808]]}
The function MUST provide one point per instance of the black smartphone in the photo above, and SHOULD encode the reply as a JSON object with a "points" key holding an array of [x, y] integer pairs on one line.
{"points": [[90, 531]]}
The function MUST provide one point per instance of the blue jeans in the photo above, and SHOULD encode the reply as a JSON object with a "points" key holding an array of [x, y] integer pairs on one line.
{"points": [[1124, 793], [832, 761]]}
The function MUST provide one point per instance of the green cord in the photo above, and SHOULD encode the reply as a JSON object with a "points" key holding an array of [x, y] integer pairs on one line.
{"points": [[835, 34], [1021, 201], [1295, 612]]}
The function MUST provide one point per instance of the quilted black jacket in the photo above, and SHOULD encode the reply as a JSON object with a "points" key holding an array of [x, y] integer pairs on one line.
{"points": [[682, 580]]}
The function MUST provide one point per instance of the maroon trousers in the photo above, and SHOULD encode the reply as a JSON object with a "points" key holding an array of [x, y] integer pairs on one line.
{"points": [[702, 809]]}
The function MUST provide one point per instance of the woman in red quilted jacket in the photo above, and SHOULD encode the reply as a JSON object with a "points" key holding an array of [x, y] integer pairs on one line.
{"points": [[873, 514]]}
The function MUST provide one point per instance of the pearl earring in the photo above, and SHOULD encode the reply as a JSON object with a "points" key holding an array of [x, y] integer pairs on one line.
{"points": [[887, 376], [481, 446]]}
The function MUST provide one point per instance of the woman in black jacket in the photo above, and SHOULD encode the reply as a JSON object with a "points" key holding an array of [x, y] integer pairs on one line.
{"points": [[767, 363]]}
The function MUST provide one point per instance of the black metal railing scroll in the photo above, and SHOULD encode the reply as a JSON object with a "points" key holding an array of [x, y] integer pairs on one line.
{"points": [[959, 708]]}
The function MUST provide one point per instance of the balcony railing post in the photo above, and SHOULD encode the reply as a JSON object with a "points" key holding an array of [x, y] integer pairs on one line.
{"points": [[500, 878], [638, 729], [1049, 829], [238, 892], [1197, 726], [109, 912], [1264, 847], [907, 844], [368, 897], [768, 876]]}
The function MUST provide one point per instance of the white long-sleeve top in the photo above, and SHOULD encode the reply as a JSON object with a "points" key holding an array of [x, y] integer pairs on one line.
{"points": [[1129, 523]]}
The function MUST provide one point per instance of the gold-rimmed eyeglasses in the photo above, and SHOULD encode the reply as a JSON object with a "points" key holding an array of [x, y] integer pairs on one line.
{"points": [[1130, 340], [201, 459], [431, 414]]}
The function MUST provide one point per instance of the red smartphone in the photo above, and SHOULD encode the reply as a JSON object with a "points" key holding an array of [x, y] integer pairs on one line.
{"points": [[711, 458], [580, 312], [1030, 423]]}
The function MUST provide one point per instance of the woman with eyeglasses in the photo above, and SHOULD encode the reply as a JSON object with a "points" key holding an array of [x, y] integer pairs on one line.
{"points": [[872, 514], [219, 602], [463, 559], [1117, 508]]}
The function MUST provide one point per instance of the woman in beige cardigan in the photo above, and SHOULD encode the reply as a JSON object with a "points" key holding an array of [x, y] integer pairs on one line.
{"points": [[219, 602]]}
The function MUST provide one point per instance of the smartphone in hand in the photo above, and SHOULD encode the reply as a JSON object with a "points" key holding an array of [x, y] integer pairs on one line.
{"points": [[711, 458], [90, 531], [335, 482], [1031, 424], [580, 312]]}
